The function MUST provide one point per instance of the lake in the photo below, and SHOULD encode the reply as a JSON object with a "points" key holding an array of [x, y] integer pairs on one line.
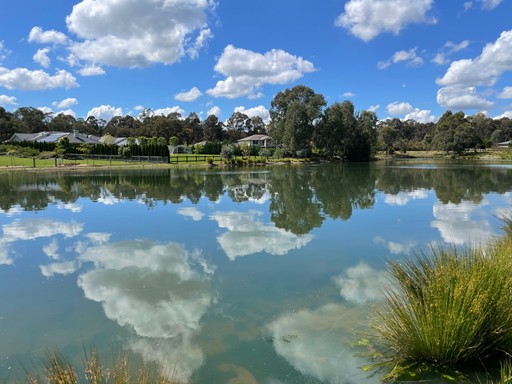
{"points": [[244, 275]]}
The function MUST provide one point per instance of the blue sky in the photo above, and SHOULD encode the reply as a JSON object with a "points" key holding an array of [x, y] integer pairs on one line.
{"points": [[401, 58]]}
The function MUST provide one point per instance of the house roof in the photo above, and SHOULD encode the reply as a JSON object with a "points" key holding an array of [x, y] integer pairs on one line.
{"points": [[256, 138]]}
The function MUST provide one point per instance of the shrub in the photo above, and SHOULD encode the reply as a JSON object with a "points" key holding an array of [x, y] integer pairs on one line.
{"points": [[279, 153], [449, 307]]}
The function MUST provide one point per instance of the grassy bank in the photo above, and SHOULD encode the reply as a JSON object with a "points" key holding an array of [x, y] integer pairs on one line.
{"points": [[448, 309]]}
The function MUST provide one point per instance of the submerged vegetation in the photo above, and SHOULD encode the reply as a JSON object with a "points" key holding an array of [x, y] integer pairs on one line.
{"points": [[58, 370], [449, 309]]}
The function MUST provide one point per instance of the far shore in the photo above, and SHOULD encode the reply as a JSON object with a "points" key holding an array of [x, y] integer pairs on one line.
{"points": [[488, 155]]}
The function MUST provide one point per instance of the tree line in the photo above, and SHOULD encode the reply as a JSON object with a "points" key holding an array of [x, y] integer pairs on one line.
{"points": [[301, 124]]}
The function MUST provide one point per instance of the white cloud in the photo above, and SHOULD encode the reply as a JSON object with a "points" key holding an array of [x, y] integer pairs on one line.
{"points": [[361, 284], [505, 94], [192, 212], [448, 49], [461, 98], [51, 249], [191, 95], [396, 248], [403, 198], [348, 94], [154, 288], [41, 57], [247, 71], [30, 229], [246, 235], [440, 59], [26, 80], [12, 211], [98, 238], [66, 103], [168, 110], [421, 116], [91, 70], [409, 57], [105, 112], [366, 19], [504, 114], [215, 110], [64, 268], [318, 343], [396, 108], [373, 108], [486, 69], [3, 52], [201, 40], [46, 110], [7, 100], [456, 226], [490, 4], [128, 33], [37, 35], [260, 111]]}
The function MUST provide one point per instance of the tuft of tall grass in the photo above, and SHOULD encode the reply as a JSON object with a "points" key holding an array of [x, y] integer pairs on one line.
{"points": [[58, 370], [449, 307]]}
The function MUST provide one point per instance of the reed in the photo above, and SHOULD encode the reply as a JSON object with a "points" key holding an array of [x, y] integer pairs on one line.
{"points": [[58, 370], [448, 308]]}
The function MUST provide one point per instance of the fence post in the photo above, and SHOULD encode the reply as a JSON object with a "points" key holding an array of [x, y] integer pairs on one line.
{"points": [[34, 161]]}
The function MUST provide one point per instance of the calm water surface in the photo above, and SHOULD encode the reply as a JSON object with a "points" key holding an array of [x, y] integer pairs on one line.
{"points": [[239, 276]]}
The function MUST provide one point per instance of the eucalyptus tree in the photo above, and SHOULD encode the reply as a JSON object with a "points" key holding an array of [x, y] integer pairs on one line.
{"points": [[293, 114], [212, 129]]}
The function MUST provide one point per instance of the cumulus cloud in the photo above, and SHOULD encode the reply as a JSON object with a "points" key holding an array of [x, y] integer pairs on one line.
{"points": [[505, 94], [373, 108], [51, 249], [318, 343], [64, 268], [3, 52], [507, 114], [215, 110], [127, 33], [247, 235], [46, 110], [41, 57], [366, 19], [192, 212], [448, 49], [91, 70], [26, 80], [30, 229], [7, 100], [191, 95], [403, 198], [260, 111], [105, 112], [168, 110], [421, 116], [457, 225], [410, 58], [157, 289], [98, 238], [486, 69], [396, 248], [247, 71], [37, 35], [462, 98], [361, 284], [396, 108], [65, 103]]}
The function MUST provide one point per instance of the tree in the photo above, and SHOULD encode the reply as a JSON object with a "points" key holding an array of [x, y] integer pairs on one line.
{"points": [[212, 129], [293, 115], [30, 120], [62, 147]]}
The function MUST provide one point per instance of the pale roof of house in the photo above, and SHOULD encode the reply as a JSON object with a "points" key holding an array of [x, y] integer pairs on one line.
{"points": [[256, 138]]}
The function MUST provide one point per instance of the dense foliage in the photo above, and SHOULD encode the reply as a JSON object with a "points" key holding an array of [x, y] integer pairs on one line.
{"points": [[301, 123]]}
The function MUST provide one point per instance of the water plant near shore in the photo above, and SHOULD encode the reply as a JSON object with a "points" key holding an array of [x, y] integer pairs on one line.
{"points": [[58, 370], [448, 307]]}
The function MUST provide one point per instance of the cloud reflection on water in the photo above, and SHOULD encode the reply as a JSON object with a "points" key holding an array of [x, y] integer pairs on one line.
{"points": [[247, 235], [160, 290]]}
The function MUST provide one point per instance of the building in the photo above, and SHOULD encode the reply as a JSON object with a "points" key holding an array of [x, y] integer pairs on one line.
{"points": [[74, 137], [261, 141]]}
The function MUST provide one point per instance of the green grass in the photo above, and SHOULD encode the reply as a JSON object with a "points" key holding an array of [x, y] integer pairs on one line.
{"points": [[17, 162], [448, 308], [58, 370]]}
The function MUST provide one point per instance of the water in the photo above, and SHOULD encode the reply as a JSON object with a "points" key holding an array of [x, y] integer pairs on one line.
{"points": [[226, 276]]}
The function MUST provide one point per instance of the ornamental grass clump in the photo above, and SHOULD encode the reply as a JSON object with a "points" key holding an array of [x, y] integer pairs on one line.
{"points": [[449, 307]]}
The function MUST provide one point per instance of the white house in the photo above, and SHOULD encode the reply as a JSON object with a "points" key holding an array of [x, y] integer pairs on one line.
{"points": [[261, 141]]}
